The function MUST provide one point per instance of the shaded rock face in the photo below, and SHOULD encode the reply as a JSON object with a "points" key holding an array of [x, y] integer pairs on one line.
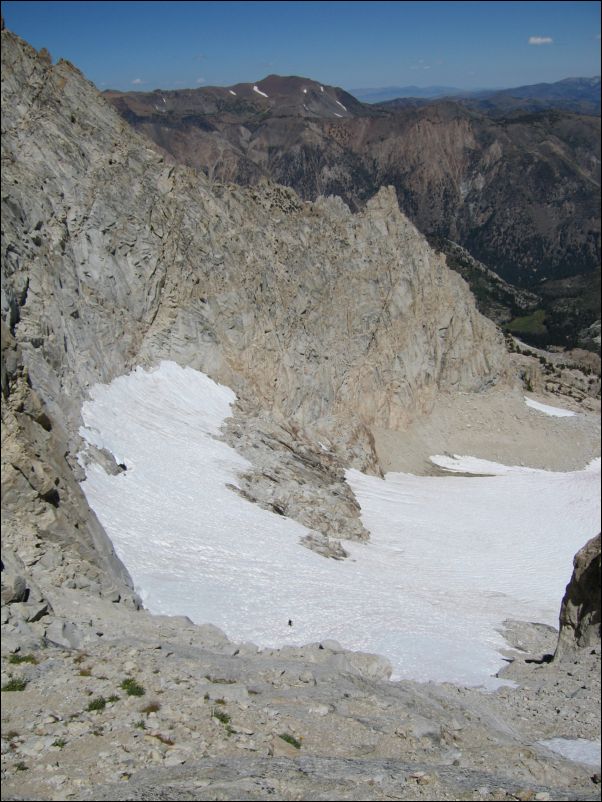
{"points": [[520, 192], [580, 610]]}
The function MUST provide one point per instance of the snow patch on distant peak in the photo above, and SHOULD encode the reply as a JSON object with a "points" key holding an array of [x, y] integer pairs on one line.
{"points": [[232, 92], [337, 115], [321, 89], [259, 92], [554, 412], [304, 91], [341, 105]]}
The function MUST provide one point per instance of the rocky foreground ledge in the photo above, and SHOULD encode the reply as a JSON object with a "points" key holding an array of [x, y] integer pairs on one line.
{"points": [[158, 708]]}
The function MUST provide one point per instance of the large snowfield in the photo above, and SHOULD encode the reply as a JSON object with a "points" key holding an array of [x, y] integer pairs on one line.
{"points": [[450, 557]]}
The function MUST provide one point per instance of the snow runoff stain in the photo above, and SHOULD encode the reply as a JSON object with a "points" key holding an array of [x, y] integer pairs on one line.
{"points": [[448, 560]]}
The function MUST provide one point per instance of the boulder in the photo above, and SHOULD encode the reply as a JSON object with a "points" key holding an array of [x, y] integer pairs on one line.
{"points": [[580, 609]]}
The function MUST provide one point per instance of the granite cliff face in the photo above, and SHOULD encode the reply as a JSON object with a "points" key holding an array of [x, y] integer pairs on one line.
{"points": [[329, 321]]}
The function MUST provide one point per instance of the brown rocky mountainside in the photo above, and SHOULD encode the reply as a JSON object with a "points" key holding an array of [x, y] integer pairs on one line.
{"points": [[520, 192]]}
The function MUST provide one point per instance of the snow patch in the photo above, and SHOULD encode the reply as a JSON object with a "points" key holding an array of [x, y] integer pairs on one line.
{"points": [[321, 89], [464, 559], [337, 115], [555, 412], [577, 749], [232, 92], [259, 92], [447, 563], [304, 91], [476, 466], [341, 105]]}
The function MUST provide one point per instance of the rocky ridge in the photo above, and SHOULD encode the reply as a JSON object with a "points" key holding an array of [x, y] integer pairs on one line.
{"points": [[158, 708], [113, 258]]}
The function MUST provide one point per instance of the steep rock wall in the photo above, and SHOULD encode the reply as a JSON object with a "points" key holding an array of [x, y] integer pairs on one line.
{"points": [[321, 320]]}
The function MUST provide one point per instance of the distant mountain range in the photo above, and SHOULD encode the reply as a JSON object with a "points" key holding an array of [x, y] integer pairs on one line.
{"points": [[393, 92], [511, 179], [579, 95]]}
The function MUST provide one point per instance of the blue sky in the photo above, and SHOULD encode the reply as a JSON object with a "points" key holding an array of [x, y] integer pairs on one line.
{"points": [[148, 45]]}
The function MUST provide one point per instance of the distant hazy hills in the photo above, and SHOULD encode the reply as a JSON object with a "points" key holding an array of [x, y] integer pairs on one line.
{"points": [[393, 92], [580, 95]]}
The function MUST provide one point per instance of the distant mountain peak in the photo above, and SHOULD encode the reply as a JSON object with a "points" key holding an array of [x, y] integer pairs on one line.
{"points": [[282, 95]]}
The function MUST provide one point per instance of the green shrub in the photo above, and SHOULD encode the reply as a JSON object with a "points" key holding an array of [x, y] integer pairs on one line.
{"points": [[97, 704], [221, 716], [290, 740], [132, 688], [60, 742], [17, 659], [15, 684]]}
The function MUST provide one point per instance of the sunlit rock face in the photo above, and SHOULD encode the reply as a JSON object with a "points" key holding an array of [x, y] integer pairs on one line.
{"points": [[580, 610], [320, 320]]}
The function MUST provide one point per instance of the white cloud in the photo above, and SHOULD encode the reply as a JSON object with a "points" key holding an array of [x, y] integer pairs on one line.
{"points": [[137, 81], [540, 40]]}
